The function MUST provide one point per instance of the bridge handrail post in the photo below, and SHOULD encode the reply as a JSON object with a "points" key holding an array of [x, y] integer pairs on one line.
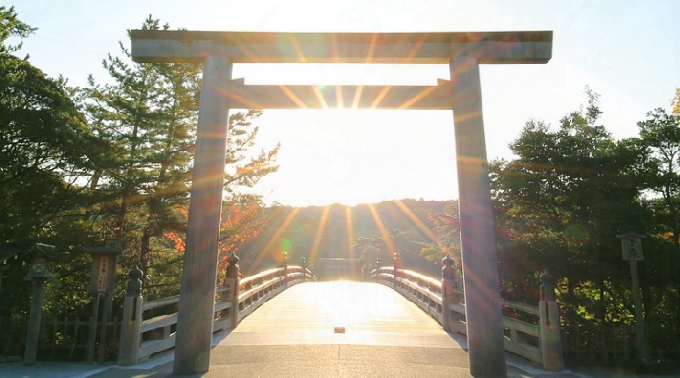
{"points": [[303, 265], [397, 268], [128, 347], [549, 318], [285, 276], [232, 279], [448, 280]]}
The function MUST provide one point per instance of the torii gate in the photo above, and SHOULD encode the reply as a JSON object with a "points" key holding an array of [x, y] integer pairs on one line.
{"points": [[463, 52]]}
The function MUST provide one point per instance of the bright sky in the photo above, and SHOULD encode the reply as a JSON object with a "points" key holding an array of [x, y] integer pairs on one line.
{"points": [[627, 51]]}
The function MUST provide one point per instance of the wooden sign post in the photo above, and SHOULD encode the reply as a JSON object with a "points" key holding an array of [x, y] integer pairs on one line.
{"points": [[631, 250], [102, 280]]}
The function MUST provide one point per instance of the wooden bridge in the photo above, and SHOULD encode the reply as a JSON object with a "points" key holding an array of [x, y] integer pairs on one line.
{"points": [[394, 325]]}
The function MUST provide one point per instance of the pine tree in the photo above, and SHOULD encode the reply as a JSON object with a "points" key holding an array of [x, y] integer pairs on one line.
{"points": [[148, 116]]}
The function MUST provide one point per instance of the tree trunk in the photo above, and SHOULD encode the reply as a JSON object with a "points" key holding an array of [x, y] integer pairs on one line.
{"points": [[570, 320], [647, 314], [601, 317], [120, 222], [95, 179], [145, 251]]}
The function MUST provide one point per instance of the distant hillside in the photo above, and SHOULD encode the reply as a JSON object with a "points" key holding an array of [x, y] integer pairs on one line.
{"points": [[320, 232]]}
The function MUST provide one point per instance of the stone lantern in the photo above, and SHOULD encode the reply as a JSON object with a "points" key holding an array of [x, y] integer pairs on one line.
{"points": [[40, 257], [40, 270]]}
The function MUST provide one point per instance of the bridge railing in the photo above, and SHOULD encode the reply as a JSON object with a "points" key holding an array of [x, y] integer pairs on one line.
{"points": [[531, 331], [149, 327]]}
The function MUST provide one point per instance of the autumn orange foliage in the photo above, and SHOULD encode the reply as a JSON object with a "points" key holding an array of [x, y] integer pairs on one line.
{"points": [[239, 223], [178, 239]]}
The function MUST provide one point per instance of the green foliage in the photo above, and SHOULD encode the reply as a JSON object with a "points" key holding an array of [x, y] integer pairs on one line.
{"points": [[243, 168], [447, 230], [44, 147], [660, 170], [561, 203], [11, 26], [148, 115], [565, 198], [79, 166]]}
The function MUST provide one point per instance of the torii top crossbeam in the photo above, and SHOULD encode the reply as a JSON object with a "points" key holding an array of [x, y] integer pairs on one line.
{"points": [[155, 46], [271, 47]]}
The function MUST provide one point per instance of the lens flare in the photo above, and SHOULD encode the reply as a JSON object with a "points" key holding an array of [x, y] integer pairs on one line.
{"points": [[319, 234]]}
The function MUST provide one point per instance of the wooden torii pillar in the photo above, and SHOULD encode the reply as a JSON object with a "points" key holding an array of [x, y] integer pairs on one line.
{"points": [[463, 52]]}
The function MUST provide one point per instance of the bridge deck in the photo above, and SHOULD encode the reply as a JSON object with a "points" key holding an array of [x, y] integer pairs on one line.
{"points": [[371, 314], [294, 335]]}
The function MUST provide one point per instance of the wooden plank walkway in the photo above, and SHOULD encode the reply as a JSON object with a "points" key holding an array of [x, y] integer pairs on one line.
{"points": [[317, 312], [299, 334]]}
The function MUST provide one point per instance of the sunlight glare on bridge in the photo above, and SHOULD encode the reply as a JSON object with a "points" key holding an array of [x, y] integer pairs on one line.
{"points": [[294, 334], [371, 314]]}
